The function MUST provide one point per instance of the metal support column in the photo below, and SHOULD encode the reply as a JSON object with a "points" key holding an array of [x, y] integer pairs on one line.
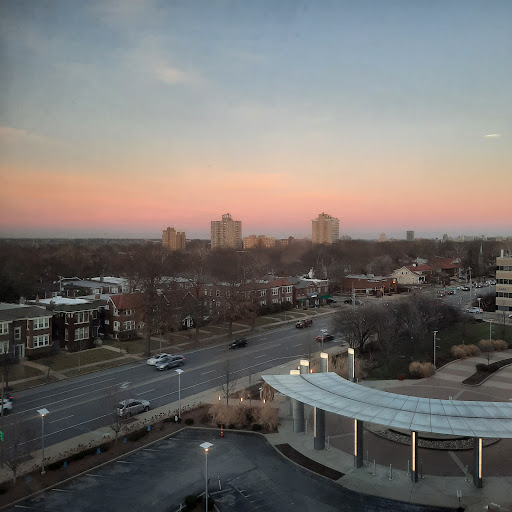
{"points": [[358, 443], [414, 457], [319, 428], [477, 462], [351, 367]]}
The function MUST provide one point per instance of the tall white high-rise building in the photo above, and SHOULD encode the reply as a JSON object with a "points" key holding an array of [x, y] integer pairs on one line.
{"points": [[226, 233], [325, 229]]}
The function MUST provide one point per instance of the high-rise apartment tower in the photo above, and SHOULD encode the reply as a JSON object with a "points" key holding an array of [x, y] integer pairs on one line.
{"points": [[326, 229], [409, 236], [174, 240], [226, 233]]}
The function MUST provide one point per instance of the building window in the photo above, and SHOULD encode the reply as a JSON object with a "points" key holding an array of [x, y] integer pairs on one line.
{"points": [[40, 323], [66, 335], [129, 325], [217, 293], [116, 325], [206, 291], [275, 301], [81, 317], [94, 314], [17, 333], [82, 333], [263, 293], [263, 302], [275, 291], [228, 293], [41, 341], [217, 304], [4, 347], [4, 327]]}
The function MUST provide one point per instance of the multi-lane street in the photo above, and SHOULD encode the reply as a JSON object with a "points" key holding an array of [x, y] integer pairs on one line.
{"points": [[82, 404]]}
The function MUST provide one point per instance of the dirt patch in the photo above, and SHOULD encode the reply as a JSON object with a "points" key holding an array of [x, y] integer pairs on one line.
{"points": [[302, 460]]}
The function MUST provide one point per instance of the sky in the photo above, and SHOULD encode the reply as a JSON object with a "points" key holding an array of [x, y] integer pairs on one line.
{"points": [[119, 118]]}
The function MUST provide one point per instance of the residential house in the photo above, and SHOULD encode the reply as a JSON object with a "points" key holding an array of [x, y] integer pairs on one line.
{"points": [[369, 285], [412, 274], [24, 330]]}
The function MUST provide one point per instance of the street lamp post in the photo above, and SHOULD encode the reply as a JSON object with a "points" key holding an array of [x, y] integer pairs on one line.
{"points": [[179, 371], [42, 413], [435, 333], [490, 329], [206, 446], [479, 299]]}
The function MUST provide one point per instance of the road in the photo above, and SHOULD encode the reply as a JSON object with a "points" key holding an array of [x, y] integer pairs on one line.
{"points": [[81, 405]]}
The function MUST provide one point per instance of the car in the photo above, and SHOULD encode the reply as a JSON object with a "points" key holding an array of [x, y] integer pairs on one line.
{"points": [[450, 292], [474, 310], [8, 405], [466, 288], [170, 362], [356, 301], [304, 323], [127, 408], [324, 336], [239, 342], [157, 359]]}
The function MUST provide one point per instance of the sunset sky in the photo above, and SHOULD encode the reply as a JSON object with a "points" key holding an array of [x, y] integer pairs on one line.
{"points": [[123, 117]]}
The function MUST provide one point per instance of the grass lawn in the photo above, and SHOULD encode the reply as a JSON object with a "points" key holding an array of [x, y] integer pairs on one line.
{"points": [[458, 334], [66, 361], [20, 371]]}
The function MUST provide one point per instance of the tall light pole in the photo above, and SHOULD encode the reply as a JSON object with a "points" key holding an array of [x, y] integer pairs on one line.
{"points": [[490, 329], [479, 299], [179, 371], [206, 446], [435, 333], [42, 413]]}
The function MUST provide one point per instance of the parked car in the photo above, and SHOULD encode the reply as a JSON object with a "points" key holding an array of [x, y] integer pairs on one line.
{"points": [[356, 301], [239, 342], [157, 359], [127, 408], [474, 310], [450, 292], [307, 322], [170, 362], [466, 288]]}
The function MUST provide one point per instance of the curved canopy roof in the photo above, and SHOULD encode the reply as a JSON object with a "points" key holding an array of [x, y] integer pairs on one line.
{"points": [[332, 393]]}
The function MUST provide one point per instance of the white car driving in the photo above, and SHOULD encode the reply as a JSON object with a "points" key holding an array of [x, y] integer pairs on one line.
{"points": [[157, 359]]}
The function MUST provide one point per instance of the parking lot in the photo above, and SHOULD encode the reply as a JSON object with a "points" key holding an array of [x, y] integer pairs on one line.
{"points": [[253, 476]]}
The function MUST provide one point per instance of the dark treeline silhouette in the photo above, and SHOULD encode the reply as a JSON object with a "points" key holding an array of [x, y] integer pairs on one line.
{"points": [[23, 266]]}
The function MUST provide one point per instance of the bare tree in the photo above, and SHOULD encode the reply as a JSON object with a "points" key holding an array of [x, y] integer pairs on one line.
{"points": [[227, 381], [487, 348], [15, 447], [387, 332], [356, 324], [113, 396]]}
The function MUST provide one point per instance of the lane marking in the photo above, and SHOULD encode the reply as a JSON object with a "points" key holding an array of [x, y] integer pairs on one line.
{"points": [[60, 419], [124, 462], [262, 355], [144, 392], [211, 371]]}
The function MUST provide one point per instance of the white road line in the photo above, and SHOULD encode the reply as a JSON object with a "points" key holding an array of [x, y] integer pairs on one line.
{"points": [[61, 490], [60, 419], [298, 345], [150, 450], [257, 357], [97, 476], [124, 462], [211, 371], [144, 392]]}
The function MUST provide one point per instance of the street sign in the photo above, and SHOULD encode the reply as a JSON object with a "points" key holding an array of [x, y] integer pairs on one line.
{"points": [[1, 436]]}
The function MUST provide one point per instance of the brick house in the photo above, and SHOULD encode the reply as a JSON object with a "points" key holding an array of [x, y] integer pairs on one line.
{"points": [[76, 322], [369, 285], [122, 315], [24, 330]]}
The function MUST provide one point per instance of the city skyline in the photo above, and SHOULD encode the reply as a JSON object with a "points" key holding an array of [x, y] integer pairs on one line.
{"points": [[119, 119]]}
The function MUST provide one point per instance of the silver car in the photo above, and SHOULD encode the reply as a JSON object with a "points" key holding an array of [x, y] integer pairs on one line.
{"points": [[170, 362], [127, 408]]}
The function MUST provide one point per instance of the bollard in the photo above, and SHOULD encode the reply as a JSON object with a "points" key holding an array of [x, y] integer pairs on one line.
{"points": [[328, 447], [467, 473], [390, 472], [220, 486], [408, 468], [367, 463], [421, 469], [222, 431], [374, 468], [306, 429]]}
